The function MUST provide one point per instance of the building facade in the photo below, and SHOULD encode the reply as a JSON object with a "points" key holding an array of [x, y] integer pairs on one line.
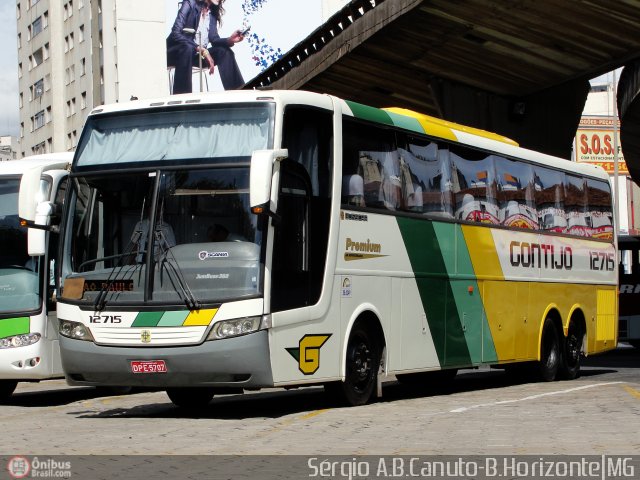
{"points": [[9, 148], [74, 55], [597, 141]]}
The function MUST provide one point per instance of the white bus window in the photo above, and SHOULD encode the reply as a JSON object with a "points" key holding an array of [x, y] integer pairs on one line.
{"points": [[578, 223], [516, 194], [599, 208], [549, 187], [430, 177], [474, 184]]}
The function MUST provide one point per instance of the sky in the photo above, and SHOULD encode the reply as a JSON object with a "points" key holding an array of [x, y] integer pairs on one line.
{"points": [[283, 23]]}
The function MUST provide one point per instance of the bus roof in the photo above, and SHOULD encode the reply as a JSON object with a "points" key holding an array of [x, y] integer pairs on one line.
{"points": [[18, 167], [397, 117]]}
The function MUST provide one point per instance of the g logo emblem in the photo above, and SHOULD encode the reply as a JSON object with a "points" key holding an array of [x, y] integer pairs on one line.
{"points": [[308, 352]]}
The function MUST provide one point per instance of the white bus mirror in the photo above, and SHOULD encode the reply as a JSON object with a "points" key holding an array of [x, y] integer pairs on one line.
{"points": [[29, 191], [36, 235], [260, 178], [36, 242]]}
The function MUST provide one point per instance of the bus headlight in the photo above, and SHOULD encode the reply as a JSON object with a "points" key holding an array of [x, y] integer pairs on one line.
{"points": [[238, 326], [19, 340], [75, 330]]}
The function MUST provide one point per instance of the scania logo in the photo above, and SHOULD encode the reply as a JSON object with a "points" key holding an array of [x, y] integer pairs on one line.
{"points": [[145, 336]]}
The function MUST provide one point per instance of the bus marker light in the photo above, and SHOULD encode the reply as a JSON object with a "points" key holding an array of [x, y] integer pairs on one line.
{"points": [[470, 289]]}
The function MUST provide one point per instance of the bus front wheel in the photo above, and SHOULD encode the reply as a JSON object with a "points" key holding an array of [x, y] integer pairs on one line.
{"points": [[362, 362], [569, 367], [7, 387], [190, 397], [549, 352]]}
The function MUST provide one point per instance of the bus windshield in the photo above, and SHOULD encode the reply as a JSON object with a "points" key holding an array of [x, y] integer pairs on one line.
{"points": [[19, 285], [212, 134], [190, 228]]}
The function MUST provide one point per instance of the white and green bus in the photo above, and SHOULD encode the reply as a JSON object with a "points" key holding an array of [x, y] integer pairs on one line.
{"points": [[29, 348], [250, 239]]}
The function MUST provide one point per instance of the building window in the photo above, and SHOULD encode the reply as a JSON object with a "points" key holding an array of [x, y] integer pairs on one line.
{"points": [[22, 130], [69, 144], [70, 7], [20, 101], [38, 149], [81, 34], [20, 70], [50, 145], [83, 100], [36, 26], [38, 120], [45, 19], [83, 67], [45, 50], [47, 117], [66, 44], [68, 108], [73, 106], [37, 58], [19, 41], [18, 14], [70, 41], [47, 82], [38, 88]]}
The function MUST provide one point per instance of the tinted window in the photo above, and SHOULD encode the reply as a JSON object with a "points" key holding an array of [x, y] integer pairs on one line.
{"points": [[516, 194], [474, 183], [549, 188], [599, 208]]}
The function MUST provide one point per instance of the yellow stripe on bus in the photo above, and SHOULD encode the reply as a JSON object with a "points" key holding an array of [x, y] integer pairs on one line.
{"points": [[482, 250], [200, 318], [444, 129]]}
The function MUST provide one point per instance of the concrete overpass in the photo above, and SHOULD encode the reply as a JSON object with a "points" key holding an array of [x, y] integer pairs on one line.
{"points": [[517, 67]]}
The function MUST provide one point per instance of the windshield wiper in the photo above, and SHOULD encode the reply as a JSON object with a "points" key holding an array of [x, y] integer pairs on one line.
{"points": [[182, 288], [101, 299]]}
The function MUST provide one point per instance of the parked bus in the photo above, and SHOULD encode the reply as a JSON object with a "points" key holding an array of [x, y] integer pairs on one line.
{"points": [[629, 320], [248, 239], [29, 348]]}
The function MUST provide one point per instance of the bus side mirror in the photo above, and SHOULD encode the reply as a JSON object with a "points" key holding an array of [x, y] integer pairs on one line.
{"points": [[36, 235], [260, 179]]}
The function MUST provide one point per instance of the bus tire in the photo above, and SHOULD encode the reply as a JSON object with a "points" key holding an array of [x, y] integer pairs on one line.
{"points": [[7, 387], [362, 362], [550, 356], [190, 397], [569, 367]]}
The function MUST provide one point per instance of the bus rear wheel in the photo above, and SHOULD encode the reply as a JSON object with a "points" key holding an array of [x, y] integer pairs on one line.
{"points": [[569, 367], [189, 397], [550, 356], [7, 387], [362, 362]]}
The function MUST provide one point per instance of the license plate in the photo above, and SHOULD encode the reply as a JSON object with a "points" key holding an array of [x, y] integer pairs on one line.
{"points": [[148, 366]]}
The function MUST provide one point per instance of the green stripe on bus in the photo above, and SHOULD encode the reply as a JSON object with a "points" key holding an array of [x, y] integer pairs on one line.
{"points": [[173, 319], [369, 113], [466, 293], [438, 300], [147, 319], [408, 123], [14, 326]]}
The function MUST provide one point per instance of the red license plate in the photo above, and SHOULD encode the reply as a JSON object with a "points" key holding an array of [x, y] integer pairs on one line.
{"points": [[148, 366]]}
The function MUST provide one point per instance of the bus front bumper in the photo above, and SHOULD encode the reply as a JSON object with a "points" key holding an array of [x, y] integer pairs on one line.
{"points": [[240, 362]]}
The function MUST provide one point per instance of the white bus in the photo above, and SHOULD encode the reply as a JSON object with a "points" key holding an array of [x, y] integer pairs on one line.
{"points": [[208, 248], [29, 348]]}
